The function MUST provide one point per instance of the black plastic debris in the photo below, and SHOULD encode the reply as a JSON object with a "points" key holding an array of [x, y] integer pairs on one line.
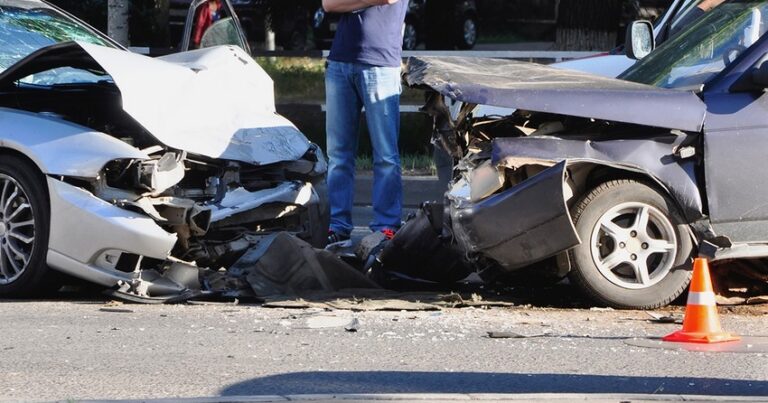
{"points": [[424, 249], [285, 265]]}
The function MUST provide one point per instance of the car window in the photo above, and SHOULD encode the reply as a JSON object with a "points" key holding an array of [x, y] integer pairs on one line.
{"points": [[701, 51], [26, 27]]}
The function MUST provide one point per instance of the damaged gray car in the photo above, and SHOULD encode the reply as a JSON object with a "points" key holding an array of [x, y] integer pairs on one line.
{"points": [[616, 183], [132, 172]]}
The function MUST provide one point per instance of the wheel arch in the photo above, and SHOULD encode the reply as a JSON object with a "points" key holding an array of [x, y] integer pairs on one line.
{"points": [[586, 175]]}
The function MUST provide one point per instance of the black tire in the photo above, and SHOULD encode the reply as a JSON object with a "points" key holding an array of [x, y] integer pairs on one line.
{"points": [[466, 40], [35, 278], [668, 273]]}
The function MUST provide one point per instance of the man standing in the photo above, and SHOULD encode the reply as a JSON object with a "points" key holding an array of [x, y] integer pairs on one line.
{"points": [[364, 71]]}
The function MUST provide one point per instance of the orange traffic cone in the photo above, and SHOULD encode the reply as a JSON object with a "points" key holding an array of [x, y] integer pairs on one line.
{"points": [[701, 323]]}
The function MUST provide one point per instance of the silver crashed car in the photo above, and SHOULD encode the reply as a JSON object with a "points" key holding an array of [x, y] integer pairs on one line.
{"points": [[130, 172]]}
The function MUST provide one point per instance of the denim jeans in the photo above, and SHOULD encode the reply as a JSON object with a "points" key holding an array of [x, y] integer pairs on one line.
{"points": [[349, 88]]}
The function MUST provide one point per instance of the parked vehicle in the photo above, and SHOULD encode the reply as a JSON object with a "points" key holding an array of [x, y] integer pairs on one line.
{"points": [[290, 20], [439, 24], [617, 183], [121, 169]]}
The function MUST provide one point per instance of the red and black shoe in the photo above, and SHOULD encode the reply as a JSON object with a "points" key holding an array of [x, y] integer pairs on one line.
{"points": [[338, 241]]}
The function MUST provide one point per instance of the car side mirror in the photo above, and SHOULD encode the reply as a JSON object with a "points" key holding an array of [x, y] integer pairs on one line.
{"points": [[640, 41]]}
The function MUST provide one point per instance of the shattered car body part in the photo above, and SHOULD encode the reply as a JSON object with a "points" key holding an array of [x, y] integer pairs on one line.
{"points": [[150, 165], [283, 265], [618, 180]]}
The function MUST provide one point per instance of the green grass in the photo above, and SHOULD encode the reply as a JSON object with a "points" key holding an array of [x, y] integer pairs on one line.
{"points": [[412, 164], [302, 80]]}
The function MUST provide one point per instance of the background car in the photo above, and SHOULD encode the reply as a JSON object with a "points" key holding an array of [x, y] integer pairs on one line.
{"points": [[616, 61], [439, 24], [290, 20]]}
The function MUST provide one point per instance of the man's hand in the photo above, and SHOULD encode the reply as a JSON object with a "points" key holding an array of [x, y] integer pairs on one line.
{"points": [[346, 6]]}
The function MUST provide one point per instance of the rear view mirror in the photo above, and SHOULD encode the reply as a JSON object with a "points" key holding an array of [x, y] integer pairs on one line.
{"points": [[640, 41]]}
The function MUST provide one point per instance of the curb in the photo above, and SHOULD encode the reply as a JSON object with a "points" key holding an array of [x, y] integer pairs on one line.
{"points": [[416, 190], [422, 397]]}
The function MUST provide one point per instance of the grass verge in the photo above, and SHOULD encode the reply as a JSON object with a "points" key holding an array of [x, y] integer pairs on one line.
{"points": [[302, 80], [412, 164]]}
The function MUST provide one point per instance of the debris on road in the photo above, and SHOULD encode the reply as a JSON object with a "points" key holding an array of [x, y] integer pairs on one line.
{"points": [[670, 318], [739, 282], [116, 310], [508, 335]]}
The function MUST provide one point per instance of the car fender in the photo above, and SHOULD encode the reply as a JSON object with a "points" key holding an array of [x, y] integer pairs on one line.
{"points": [[61, 148], [653, 156]]}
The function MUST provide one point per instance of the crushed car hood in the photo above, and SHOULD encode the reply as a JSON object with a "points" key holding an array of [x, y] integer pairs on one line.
{"points": [[216, 102], [539, 88]]}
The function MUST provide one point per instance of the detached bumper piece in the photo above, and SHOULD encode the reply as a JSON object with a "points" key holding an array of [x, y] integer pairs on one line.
{"points": [[523, 225]]}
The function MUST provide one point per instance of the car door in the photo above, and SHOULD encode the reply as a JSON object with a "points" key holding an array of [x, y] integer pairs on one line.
{"points": [[736, 151], [212, 23]]}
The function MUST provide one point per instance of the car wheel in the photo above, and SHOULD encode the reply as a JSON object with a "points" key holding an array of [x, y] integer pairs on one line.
{"points": [[467, 33], [410, 37], [635, 250], [24, 228]]}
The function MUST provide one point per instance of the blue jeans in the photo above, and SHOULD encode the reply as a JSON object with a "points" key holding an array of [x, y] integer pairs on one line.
{"points": [[349, 88]]}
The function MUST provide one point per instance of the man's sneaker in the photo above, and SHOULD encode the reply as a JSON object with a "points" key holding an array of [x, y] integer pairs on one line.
{"points": [[372, 245], [338, 241], [388, 234]]}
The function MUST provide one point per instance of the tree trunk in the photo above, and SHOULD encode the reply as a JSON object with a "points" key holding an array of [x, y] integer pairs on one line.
{"points": [[118, 13], [588, 24]]}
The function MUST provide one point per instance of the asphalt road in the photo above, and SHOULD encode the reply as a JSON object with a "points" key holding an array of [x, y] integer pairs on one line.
{"points": [[73, 349]]}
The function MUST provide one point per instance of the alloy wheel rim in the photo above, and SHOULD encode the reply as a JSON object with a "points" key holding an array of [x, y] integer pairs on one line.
{"points": [[17, 230], [634, 245], [470, 32]]}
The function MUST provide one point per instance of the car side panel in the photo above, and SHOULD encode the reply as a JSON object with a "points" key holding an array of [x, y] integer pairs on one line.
{"points": [[736, 165]]}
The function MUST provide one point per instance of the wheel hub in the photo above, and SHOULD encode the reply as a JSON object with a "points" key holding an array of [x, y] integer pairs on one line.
{"points": [[634, 245]]}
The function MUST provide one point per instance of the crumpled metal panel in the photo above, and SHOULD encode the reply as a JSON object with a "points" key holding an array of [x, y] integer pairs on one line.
{"points": [[522, 225], [654, 156], [539, 88], [215, 102]]}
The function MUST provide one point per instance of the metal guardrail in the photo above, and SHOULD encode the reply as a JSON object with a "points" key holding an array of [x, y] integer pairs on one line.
{"points": [[556, 56]]}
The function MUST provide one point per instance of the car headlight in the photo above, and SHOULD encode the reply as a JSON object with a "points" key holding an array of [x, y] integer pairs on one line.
{"points": [[485, 180]]}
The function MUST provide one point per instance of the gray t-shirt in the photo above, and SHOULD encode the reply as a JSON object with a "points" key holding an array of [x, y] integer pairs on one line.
{"points": [[371, 36]]}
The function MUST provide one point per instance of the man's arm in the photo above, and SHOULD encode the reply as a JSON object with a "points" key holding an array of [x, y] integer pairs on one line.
{"points": [[346, 6]]}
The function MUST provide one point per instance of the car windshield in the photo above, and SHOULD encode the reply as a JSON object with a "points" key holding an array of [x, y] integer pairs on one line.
{"points": [[27, 26], [697, 54]]}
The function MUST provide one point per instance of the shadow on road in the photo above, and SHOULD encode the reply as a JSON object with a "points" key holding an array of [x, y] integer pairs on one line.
{"points": [[463, 382]]}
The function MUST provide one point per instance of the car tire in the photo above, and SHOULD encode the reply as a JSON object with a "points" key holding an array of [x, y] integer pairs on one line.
{"points": [[24, 230], [635, 249], [467, 33], [410, 36]]}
